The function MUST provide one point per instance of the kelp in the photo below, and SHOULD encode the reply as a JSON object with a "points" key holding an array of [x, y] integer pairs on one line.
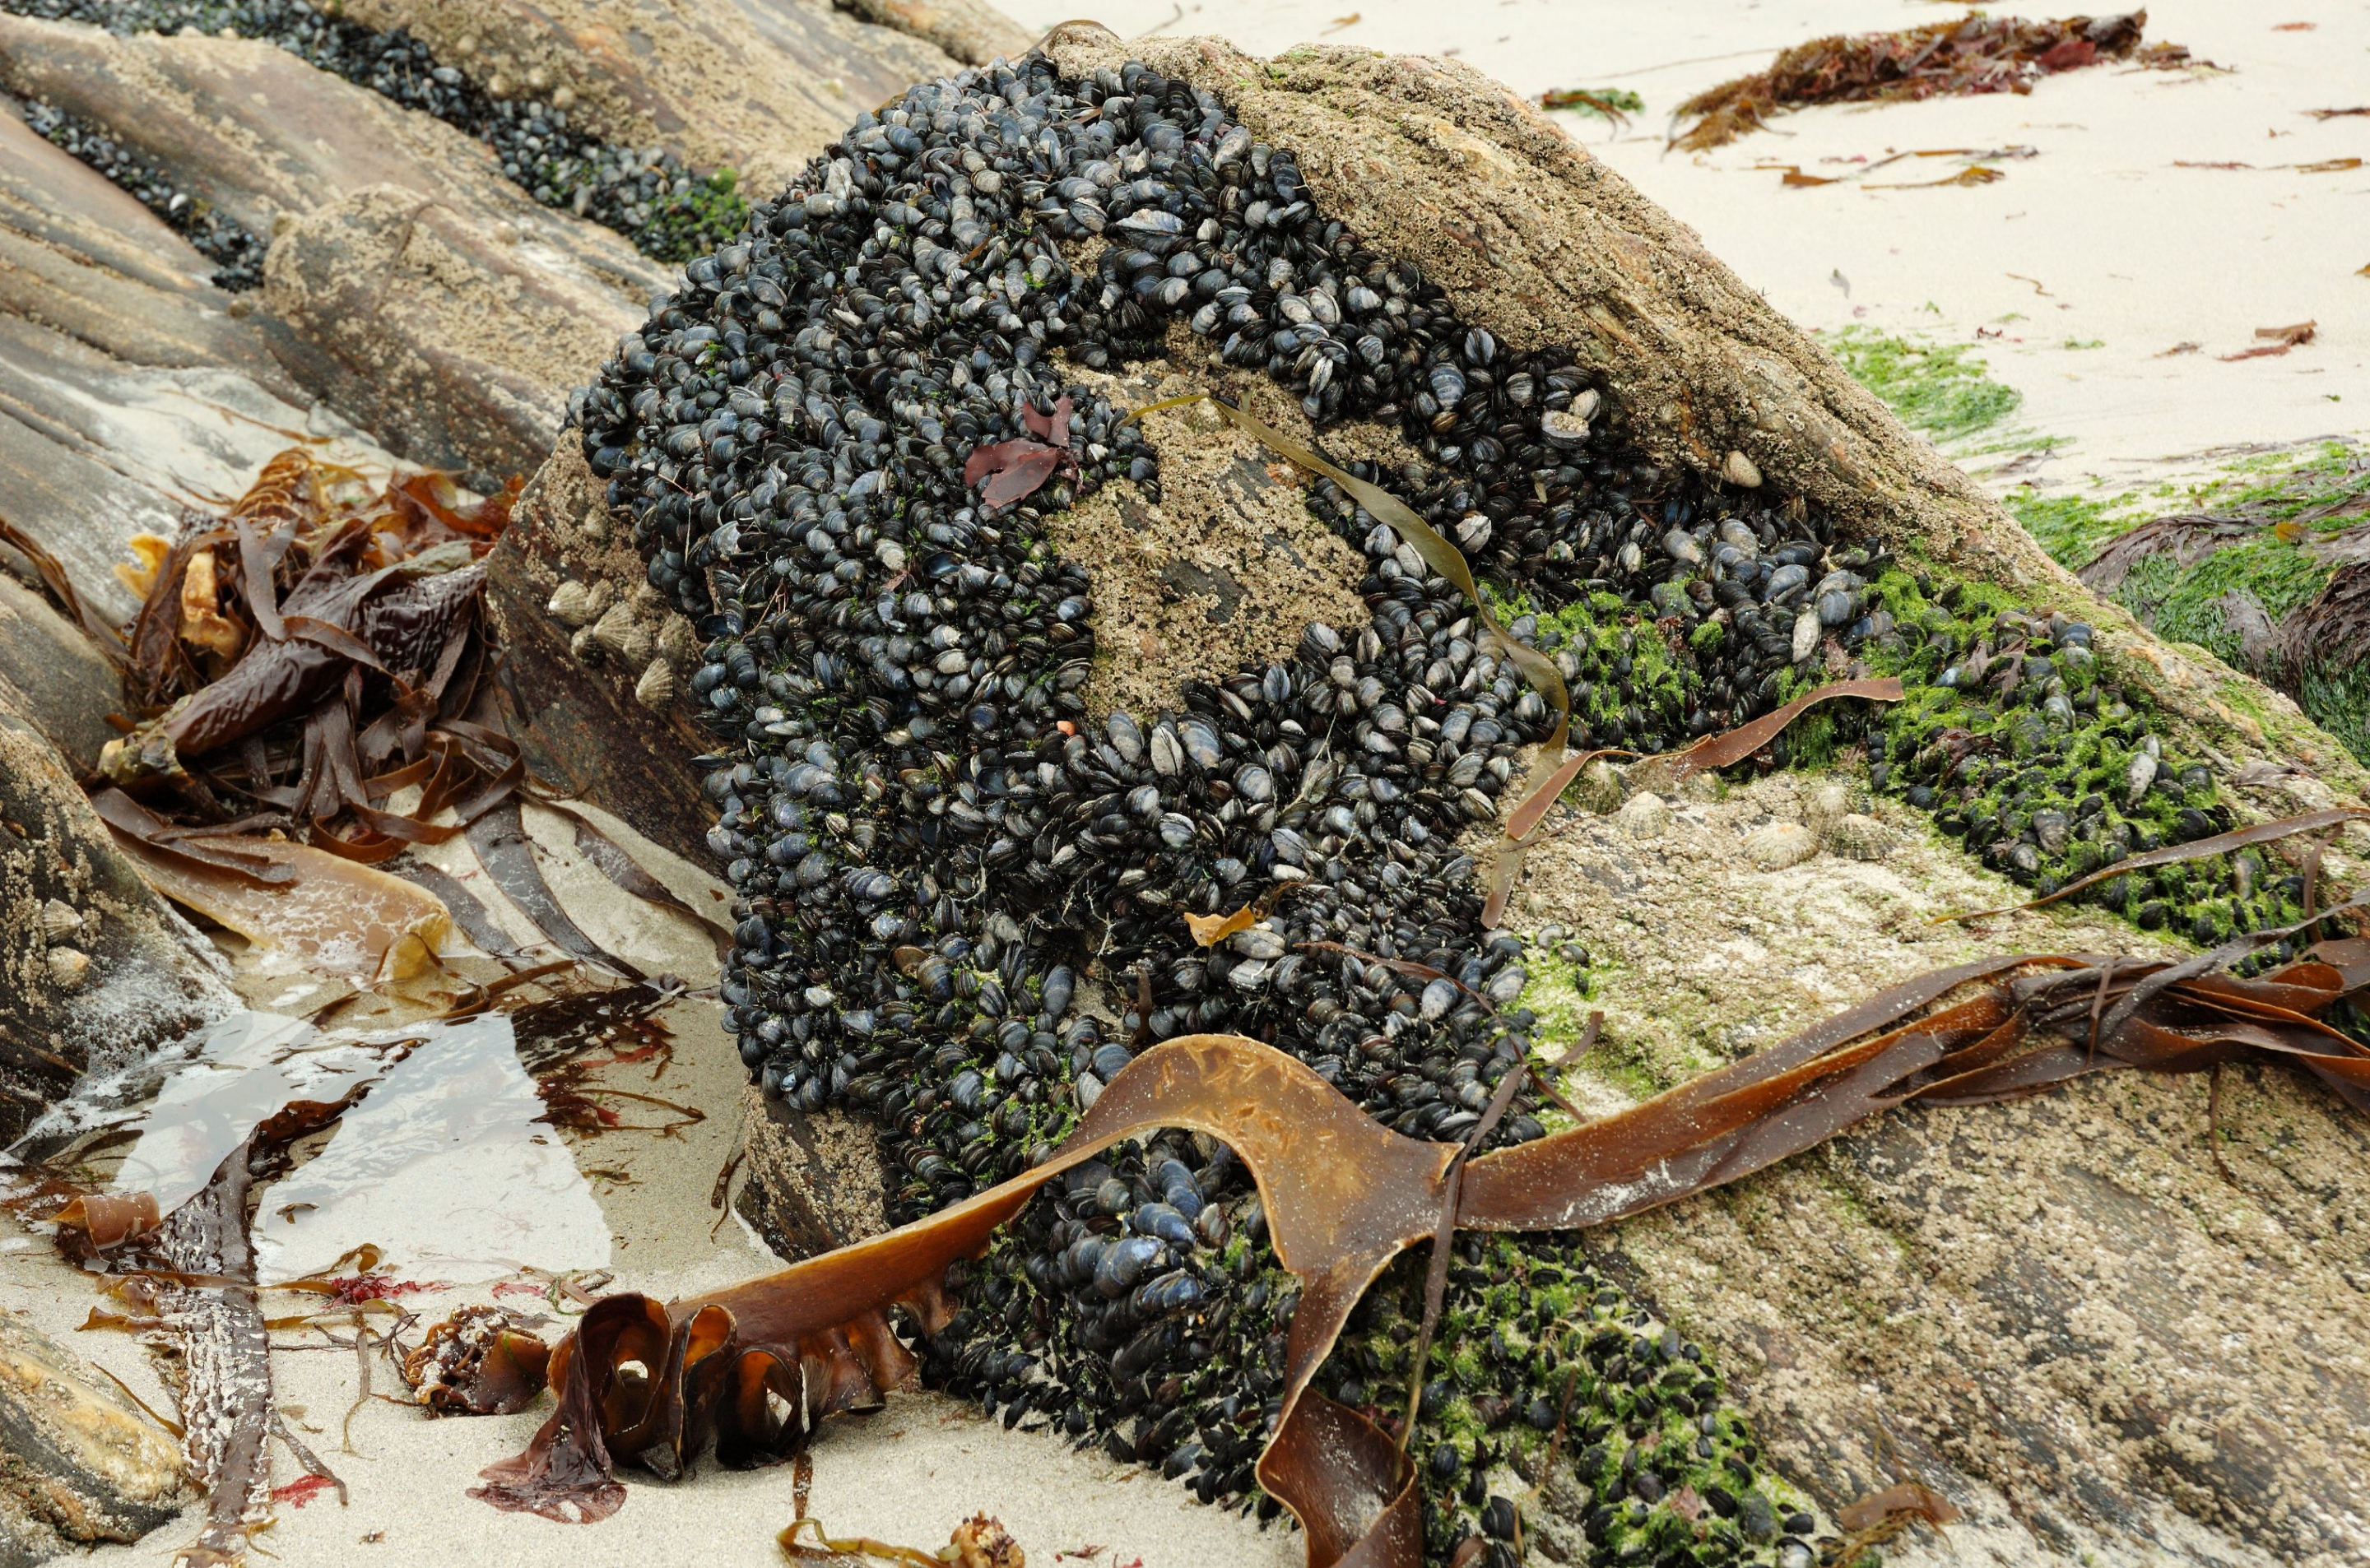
{"points": [[339, 914], [1012, 471], [479, 1361], [654, 1382], [313, 651], [499, 837], [1974, 54], [52, 573]]}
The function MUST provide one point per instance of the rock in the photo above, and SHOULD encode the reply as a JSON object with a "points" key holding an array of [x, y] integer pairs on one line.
{"points": [[132, 977], [451, 342], [79, 1464], [1780, 845], [972, 33], [1218, 576], [132, 386], [1644, 816], [53, 677], [419, 293], [593, 729], [759, 85], [1430, 161], [814, 1180], [1598, 788]]}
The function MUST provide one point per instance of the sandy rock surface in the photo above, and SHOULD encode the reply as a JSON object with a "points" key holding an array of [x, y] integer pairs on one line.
{"points": [[759, 85]]}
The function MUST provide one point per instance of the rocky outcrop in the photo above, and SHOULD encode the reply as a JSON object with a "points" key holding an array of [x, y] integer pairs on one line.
{"points": [[593, 660], [973, 33], [1429, 160], [758, 84], [84, 1466], [94, 970], [130, 388], [412, 287]]}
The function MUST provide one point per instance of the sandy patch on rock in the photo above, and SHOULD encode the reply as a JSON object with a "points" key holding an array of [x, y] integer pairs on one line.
{"points": [[1223, 573]]}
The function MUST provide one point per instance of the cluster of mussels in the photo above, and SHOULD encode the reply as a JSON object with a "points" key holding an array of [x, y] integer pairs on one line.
{"points": [[941, 856], [236, 253], [646, 194]]}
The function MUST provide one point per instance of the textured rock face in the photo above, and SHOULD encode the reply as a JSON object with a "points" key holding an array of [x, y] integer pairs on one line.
{"points": [[94, 970], [411, 287], [572, 672], [2059, 1311], [127, 384], [53, 679], [84, 1466], [759, 85], [1429, 160]]}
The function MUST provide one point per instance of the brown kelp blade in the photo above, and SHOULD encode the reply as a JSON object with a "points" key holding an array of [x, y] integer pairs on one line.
{"points": [[1344, 1195]]}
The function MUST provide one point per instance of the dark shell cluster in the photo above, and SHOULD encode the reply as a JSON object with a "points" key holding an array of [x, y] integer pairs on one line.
{"points": [[938, 850], [646, 194], [233, 250], [962, 895]]}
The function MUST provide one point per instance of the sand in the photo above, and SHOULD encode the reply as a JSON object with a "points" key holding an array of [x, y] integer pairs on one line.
{"points": [[906, 1474]]}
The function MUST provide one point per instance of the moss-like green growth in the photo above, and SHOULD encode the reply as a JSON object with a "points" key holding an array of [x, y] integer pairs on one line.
{"points": [[2274, 516], [1605, 103], [1541, 1366], [2192, 604], [1940, 388], [2071, 528], [693, 223]]}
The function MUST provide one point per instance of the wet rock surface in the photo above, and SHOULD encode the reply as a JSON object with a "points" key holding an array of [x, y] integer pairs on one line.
{"points": [[754, 84], [97, 970], [127, 384], [417, 291], [85, 1465]]}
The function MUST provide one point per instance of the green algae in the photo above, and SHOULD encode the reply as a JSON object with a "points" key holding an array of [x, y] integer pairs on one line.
{"points": [[694, 222], [2073, 528], [1942, 389], [2188, 603], [1542, 1368]]}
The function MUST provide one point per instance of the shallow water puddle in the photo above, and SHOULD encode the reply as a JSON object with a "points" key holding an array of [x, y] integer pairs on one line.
{"points": [[442, 1164], [445, 1167]]}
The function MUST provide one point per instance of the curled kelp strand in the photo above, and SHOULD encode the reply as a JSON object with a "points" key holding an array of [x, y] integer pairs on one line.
{"points": [[1344, 1195], [52, 573]]}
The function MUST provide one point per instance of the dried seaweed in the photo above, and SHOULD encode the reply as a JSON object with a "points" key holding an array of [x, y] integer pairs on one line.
{"points": [[1972, 55], [327, 641], [479, 1361], [656, 1382], [615, 862]]}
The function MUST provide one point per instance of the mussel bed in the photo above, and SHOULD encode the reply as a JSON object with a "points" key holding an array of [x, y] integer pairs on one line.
{"points": [[960, 892]]}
